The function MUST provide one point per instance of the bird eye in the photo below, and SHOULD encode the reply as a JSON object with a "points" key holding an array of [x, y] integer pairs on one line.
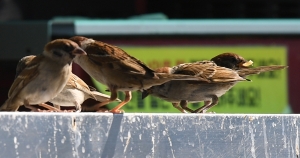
{"points": [[232, 59], [57, 53], [68, 48]]}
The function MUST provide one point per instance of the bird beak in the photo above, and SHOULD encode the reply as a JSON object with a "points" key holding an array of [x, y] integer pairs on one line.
{"points": [[247, 64], [78, 51]]}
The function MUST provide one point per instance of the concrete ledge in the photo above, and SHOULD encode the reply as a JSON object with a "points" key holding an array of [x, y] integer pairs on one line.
{"points": [[148, 135]]}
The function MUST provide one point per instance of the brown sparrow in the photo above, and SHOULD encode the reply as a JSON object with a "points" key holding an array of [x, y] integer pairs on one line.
{"points": [[224, 71], [113, 67], [22, 64], [44, 76], [73, 94]]}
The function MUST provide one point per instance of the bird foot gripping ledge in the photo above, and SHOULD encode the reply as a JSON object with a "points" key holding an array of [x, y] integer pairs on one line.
{"points": [[148, 135]]}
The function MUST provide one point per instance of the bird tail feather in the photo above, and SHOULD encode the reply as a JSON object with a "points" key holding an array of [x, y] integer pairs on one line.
{"points": [[260, 69], [102, 97]]}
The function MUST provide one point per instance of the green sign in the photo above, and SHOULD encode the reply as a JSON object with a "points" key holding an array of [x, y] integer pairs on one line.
{"points": [[267, 93]]}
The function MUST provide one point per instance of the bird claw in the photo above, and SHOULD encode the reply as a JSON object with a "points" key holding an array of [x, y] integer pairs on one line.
{"points": [[204, 112], [39, 110], [212, 112], [117, 111], [103, 110], [69, 111]]}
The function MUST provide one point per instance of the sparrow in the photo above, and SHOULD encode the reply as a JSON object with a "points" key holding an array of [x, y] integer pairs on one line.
{"points": [[43, 77], [113, 67], [75, 92], [224, 71], [22, 64]]}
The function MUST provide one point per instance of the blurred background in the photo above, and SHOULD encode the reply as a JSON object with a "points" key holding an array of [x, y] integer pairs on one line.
{"points": [[167, 33], [173, 9]]}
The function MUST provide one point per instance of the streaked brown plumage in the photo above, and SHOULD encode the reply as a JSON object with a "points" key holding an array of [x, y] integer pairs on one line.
{"points": [[43, 77], [231, 69], [113, 67], [73, 94]]}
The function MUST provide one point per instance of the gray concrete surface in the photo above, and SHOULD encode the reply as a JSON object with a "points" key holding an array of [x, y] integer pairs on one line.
{"points": [[66, 135]]}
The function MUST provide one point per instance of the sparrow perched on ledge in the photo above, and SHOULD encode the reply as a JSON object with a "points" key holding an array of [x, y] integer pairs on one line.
{"points": [[43, 77], [73, 94], [113, 67], [22, 64], [224, 71]]}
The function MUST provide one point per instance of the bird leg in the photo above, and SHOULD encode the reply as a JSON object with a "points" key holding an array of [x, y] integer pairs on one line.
{"points": [[215, 101], [113, 97], [184, 105], [176, 105], [128, 97], [49, 107], [31, 107], [103, 109], [77, 107], [56, 106], [203, 108], [208, 104]]}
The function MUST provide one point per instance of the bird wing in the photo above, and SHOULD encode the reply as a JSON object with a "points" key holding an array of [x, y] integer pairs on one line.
{"points": [[100, 52], [205, 69], [209, 71], [77, 83], [26, 72], [23, 63]]}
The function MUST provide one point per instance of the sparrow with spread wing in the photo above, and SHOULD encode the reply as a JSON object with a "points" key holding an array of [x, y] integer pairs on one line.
{"points": [[224, 71], [43, 77], [113, 67]]}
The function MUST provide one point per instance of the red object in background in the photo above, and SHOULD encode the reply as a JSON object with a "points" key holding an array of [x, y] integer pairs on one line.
{"points": [[140, 6], [77, 70]]}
